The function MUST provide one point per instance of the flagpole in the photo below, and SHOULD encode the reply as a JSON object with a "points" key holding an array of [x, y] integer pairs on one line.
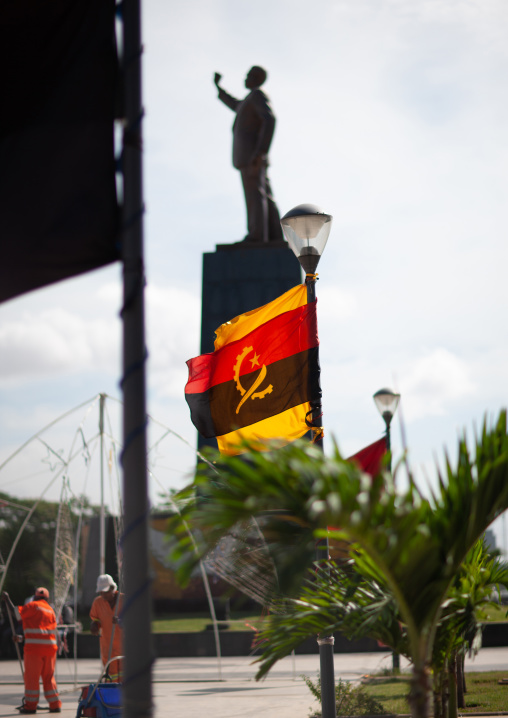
{"points": [[136, 614], [325, 643], [306, 229]]}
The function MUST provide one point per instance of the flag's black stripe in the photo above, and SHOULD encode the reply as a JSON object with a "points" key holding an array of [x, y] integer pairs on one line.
{"points": [[294, 379], [201, 416]]}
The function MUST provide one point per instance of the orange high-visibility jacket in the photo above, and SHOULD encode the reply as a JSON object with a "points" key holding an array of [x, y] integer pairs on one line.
{"points": [[102, 612], [39, 627]]}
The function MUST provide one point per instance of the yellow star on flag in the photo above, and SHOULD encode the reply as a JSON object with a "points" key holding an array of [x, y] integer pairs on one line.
{"points": [[255, 360]]}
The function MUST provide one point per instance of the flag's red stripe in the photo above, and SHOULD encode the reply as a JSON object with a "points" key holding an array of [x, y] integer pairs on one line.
{"points": [[287, 334]]}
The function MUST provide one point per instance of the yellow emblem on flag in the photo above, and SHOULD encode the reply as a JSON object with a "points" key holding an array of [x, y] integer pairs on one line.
{"points": [[251, 392]]}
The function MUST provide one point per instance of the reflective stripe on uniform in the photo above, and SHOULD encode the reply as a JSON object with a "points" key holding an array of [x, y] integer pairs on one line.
{"points": [[41, 641]]}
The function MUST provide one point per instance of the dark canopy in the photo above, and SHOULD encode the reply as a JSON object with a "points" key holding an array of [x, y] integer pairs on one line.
{"points": [[58, 208]]}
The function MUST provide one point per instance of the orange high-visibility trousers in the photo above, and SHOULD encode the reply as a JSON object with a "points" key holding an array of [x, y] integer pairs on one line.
{"points": [[40, 667]]}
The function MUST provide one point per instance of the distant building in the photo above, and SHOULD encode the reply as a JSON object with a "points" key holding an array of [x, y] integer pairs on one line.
{"points": [[167, 594], [490, 540]]}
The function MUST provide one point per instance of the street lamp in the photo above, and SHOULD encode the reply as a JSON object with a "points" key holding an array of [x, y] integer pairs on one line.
{"points": [[387, 402], [306, 229]]}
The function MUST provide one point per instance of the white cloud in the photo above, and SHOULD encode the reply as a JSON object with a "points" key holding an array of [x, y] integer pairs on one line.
{"points": [[55, 340], [433, 383], [173, 322], [61, 331]]}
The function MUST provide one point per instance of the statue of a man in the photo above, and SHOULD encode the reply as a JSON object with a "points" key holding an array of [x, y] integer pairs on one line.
{"points": [[252, 135]]}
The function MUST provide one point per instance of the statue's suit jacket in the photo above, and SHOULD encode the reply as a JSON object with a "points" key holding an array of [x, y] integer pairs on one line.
{"points": [[253, 127]]}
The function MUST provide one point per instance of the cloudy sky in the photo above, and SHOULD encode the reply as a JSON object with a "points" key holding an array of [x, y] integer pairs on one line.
{"points": [[392, 115]]}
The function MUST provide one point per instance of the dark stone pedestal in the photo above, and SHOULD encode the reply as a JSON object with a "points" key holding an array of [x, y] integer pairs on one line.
{"points": [[240, 277]]}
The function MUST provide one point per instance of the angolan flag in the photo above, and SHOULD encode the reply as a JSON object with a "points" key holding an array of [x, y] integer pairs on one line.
{"points": [[260, 380]]}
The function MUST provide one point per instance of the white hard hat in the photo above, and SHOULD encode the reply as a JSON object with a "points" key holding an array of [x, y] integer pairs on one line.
{"points": [[105, 582]]}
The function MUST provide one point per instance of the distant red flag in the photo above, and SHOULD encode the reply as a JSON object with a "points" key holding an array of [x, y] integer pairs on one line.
{"points": [[370, 458], [58, 208]]}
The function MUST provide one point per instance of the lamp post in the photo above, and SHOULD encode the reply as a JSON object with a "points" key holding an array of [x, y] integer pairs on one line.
{"points": [[387, 402], [306, 229]]}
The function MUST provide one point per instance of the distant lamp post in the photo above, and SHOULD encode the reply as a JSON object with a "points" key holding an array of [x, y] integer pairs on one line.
{"points": [[387, 402], [306, 229]]}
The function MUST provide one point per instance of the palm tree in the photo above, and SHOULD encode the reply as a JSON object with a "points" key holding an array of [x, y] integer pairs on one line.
{"points": [[337, 598], [415, 545], [460, 626]]}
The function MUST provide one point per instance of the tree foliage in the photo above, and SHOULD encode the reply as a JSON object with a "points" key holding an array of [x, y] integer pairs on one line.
{"points": [[32, 563], [411, 544]]}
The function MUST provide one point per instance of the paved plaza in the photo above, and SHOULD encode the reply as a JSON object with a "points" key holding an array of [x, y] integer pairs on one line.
{"points": [[184, 687]]}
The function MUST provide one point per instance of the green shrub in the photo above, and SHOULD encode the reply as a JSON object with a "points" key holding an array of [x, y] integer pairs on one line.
{"points": [[349, 700]]}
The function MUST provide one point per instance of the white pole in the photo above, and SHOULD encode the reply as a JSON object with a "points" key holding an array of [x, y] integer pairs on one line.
{"points": [[102, 529]]}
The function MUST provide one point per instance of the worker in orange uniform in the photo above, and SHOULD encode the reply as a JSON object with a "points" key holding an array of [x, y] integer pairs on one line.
{"points": [[105, 614], [39, 628]]}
